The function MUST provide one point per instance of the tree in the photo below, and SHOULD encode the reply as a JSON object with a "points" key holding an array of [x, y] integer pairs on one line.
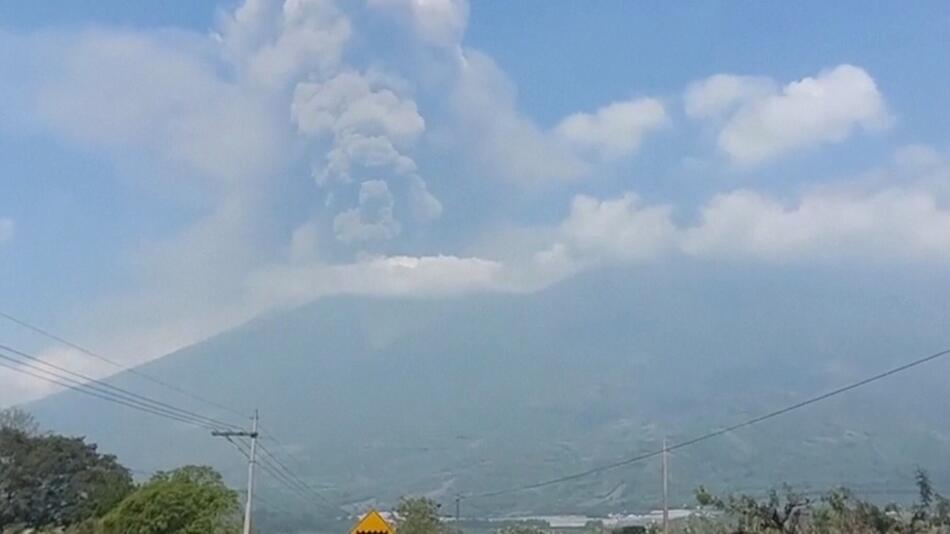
{"points": [[16, 419], [419, 515], [845, 513], [189, 500], [924, 489], [56, 480], [523, 528], [777, 513], [705, 499], [838, 511], [932, 508]]}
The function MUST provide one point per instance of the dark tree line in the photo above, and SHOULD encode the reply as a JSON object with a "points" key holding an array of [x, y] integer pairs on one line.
{"points": [[56, 480], [52, 483]]}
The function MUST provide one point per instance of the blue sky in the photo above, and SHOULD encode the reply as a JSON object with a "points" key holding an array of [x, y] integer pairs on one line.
{"points": [[170, 170]]}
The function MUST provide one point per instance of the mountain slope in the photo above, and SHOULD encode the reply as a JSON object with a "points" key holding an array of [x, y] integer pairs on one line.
{"points": [[384, 397]]}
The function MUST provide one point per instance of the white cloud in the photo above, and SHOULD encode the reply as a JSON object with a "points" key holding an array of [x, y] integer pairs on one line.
{"points": [[423, 204], [722, 93], [304, 242], [137, 95], [214, 114], [274, 43], [293, 284], [206, 113], [896, 214], [621, 228], [238, 112], [500, 140], [438, 22], [503, 141], [890, 224], [615, 130], [766, 123], [507, 144], [7, 229], [372, 218]]}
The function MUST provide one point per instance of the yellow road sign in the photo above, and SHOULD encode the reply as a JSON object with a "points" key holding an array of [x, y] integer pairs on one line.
{"points": [[372, 523]]}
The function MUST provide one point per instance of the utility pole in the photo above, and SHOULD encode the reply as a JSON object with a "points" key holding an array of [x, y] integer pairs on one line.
{"points": [[252, 461], [458, 508], [666, 490]]}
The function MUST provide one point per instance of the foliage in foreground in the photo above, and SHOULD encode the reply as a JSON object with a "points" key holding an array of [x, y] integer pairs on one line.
{"points": [[838, 511], [521, 529], [18, 419], [49, 480], [189, 500], [419, 515], [62, 485]]}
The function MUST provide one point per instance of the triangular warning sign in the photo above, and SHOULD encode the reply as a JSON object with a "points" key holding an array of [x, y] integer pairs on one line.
{"points": [[372, 523]]}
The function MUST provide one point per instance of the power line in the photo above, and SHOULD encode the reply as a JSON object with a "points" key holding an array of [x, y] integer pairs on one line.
{"points": [[93, 354], [164, 410], [143, 403], [299, 481], [275, 474], [268, 468], [301, 488], [183, 413], [299, 463], [713, 434], [87, 390], [92, 390], [129, 395], [267, 435], [257, 497], [284, 448]]}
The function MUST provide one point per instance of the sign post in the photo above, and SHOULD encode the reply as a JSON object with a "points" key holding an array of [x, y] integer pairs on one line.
{"points": [[372, 523]]}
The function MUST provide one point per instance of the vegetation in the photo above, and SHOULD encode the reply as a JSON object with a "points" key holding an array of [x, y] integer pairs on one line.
{"points": [[17, 419], [522, 529], [62, 485], [189, 500], [837, 511], [419, 515], [49, 480], [57, 484]]}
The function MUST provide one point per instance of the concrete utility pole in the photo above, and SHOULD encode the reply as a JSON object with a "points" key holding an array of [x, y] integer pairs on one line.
{"points": [[666, 490], [458, 508], [252, 461]]}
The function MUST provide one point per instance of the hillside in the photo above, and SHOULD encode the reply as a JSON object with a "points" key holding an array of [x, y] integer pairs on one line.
{"points": [[386, 397]]}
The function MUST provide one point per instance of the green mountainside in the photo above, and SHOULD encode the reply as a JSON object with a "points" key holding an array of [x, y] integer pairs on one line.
{"points": [[382, 397]]}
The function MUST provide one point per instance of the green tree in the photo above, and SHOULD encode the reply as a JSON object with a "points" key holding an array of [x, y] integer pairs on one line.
{"points": [[523, 528], [705, 499], [189, 500], [779, 512], [925, 492], [842, 512], [419, 515], [838, 511], [932, 508], [16, 419], [55, 480]]}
